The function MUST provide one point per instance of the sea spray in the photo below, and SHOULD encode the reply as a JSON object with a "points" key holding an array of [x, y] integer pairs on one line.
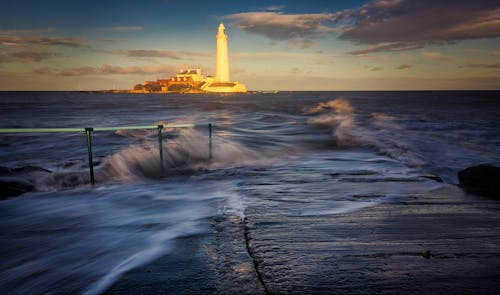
{"points": [[353, 130], [185, 153]]}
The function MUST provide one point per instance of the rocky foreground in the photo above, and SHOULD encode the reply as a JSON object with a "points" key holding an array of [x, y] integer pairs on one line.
{"points": [[443, 241]]}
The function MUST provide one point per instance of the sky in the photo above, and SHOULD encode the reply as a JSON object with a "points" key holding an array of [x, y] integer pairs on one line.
{"points": [[273, 45]]}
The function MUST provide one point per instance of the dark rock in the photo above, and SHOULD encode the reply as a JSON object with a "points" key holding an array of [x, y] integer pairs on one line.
{"points": [[19, 180], [14, 186], [483, 180], [426, 254], [5, 170]]}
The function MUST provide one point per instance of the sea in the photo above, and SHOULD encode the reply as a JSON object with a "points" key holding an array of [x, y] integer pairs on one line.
{"points": [[290, 153]]}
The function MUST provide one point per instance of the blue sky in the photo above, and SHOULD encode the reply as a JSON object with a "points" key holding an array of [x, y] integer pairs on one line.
{"points": [[283, 45]]}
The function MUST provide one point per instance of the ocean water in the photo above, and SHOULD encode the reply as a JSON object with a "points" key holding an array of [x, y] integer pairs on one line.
{"points": [[293, 153]]}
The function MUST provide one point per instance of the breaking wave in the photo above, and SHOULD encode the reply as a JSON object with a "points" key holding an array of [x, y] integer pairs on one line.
{"points": [[186, 153], [375, 131]]}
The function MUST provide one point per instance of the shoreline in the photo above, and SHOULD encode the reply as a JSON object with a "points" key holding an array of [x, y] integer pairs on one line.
{"points": [[444, 240]]}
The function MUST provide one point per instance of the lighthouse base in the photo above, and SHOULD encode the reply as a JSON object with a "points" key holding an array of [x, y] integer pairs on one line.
{"points": [[225, 87]]}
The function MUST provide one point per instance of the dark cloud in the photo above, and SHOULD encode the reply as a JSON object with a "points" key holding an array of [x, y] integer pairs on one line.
{"points": [[161, 53], [386, 47], [105, 69], [290, 27], [385, 25], [39, 40], [423, 21], [403, 67], [44, 71], [484, 65], [79, 71], [27, 56]]}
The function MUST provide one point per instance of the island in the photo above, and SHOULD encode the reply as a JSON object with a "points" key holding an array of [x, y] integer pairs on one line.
{"points": [[193, 81]]}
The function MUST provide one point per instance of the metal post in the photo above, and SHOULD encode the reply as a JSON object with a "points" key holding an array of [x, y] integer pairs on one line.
{"points": [[160, 142], [88, 132], [210, 141]]}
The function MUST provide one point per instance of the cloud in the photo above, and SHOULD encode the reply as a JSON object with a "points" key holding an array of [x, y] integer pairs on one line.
{"points": [[290, 27], [438, 56], [160, 53], [423, 22], [34, 55], [373, 68], [106, 69], [275, 7], [495, 53], [26, 31], [39, 40], [27, 56], [384, 25], [403, 67], [122, 28], [385, 48], [484, 65], [278, 55]]}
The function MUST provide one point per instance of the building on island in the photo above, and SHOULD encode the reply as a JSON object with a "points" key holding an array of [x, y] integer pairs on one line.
{"points": [[192, 80]]}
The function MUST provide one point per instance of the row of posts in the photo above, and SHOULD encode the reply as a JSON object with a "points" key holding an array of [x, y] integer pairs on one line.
{"points": [[89, 130]]}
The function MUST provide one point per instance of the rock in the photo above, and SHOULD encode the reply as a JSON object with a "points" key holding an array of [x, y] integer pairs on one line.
{"points": [[14, 186], [426, 254], [483, 180], [19, 180]]}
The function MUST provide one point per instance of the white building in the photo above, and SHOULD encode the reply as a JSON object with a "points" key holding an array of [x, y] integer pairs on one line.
{"points": [[222, 82]]}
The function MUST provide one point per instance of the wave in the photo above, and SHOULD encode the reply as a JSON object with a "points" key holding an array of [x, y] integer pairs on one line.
{"points": [[186, 153], [352, 130]]}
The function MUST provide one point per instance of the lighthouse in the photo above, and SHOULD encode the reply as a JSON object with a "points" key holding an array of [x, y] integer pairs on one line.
{"points": [[222, 82], [222, 56]]}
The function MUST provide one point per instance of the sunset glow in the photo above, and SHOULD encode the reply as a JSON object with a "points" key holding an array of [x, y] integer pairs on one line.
{"points": [[280, 45]]}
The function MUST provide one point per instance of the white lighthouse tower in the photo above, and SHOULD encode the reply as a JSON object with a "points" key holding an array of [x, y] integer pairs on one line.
{"points": [[222, 56], [222, 82]]}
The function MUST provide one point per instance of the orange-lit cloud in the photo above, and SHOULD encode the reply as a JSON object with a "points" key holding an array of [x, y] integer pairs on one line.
{"points": [[181, 54], [403, 67], [373, 68], [438, 56], [106, 69]]}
